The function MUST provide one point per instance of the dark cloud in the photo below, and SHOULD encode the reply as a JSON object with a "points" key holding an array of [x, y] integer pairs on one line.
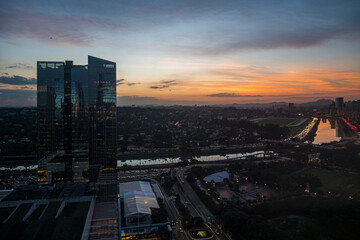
{"points": [[17, 80], [17, 97], [170, 82], [276, 39], [54, 27], [20, 65], [159, 86], [231, 95], [7, 74], [164, 84], [138, 100], [120, 81], [342, 82], [284, 24], [123, 81], [223, 26]]}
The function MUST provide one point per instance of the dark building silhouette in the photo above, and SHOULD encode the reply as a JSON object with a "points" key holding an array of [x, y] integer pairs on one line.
{"points": [[332, 109], [291, 107], [50, 100], [76, 119], [102, 108], [339, 104]]}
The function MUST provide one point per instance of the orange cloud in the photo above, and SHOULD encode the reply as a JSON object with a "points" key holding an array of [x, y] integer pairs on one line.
{"points": [[247, 83]]}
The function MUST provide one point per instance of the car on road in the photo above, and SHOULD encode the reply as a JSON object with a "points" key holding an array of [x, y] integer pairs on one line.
{"points": [[181, 230]]}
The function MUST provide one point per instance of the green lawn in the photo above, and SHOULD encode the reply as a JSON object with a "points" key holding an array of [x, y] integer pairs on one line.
{"points": [[276, 121], [298, 129], [336, 181]]}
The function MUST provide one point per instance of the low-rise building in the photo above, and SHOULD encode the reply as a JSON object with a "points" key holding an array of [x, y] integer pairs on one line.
{"points": [[139, 199]]}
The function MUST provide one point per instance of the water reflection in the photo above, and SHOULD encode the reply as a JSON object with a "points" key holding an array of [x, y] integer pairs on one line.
{"points": [[328, 131], [19, 168], [209, 158]]}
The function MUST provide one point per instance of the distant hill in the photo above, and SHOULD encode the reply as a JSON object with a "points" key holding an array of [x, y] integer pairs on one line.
{"points": [[321, 103]]}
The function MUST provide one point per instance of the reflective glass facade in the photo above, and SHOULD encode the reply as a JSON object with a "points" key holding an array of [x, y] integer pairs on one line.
{"points": [[77, 114], [102, 134], [102, 109], [50, 100], [79, 103], [79, 123]]}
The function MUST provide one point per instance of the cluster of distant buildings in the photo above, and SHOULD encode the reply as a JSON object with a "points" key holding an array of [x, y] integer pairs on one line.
{"points": [[339, 107]]}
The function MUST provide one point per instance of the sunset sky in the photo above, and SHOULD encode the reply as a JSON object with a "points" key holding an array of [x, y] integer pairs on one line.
{"points": [[188, 51]]}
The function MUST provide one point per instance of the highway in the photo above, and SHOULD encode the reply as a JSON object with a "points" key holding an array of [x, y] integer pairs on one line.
{"points": [[197, 204], [174, 215]]}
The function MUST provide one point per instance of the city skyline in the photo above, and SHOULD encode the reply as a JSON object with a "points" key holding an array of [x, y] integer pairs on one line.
{"points": [[185, 52]]}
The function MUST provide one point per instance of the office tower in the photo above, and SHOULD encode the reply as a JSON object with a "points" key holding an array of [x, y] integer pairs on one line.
{"points": [[339, 102], [102, 111], [75, 118], [79, 122], [102, 132], [77, 115], [50, 100]]}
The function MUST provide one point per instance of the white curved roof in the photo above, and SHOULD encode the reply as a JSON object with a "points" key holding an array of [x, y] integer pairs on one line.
{"points": [[141, 186], [138, 198]]}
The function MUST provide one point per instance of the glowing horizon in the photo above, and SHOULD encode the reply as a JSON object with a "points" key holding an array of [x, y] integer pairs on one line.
{"points": [[186, 52]]}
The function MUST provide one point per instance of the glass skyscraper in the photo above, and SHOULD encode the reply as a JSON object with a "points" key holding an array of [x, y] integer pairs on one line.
{"points": [[102, 114], [50, 100], [77, 115], [102, 108]]}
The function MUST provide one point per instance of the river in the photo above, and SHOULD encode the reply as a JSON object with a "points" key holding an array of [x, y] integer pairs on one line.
{"points": [[209, 158], [142, 162], [328, 131]]}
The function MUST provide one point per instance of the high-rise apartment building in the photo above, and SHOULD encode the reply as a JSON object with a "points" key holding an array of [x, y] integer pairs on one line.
{"points": [[77, 116], [339, 104]]}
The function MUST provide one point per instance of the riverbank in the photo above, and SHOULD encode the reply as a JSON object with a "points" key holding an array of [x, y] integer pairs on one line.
{"points": [[188, 154]]}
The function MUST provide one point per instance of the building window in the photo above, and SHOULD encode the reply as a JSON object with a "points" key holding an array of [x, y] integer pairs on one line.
{"points": [[51, 65], [42, 65], [109, 66]]}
